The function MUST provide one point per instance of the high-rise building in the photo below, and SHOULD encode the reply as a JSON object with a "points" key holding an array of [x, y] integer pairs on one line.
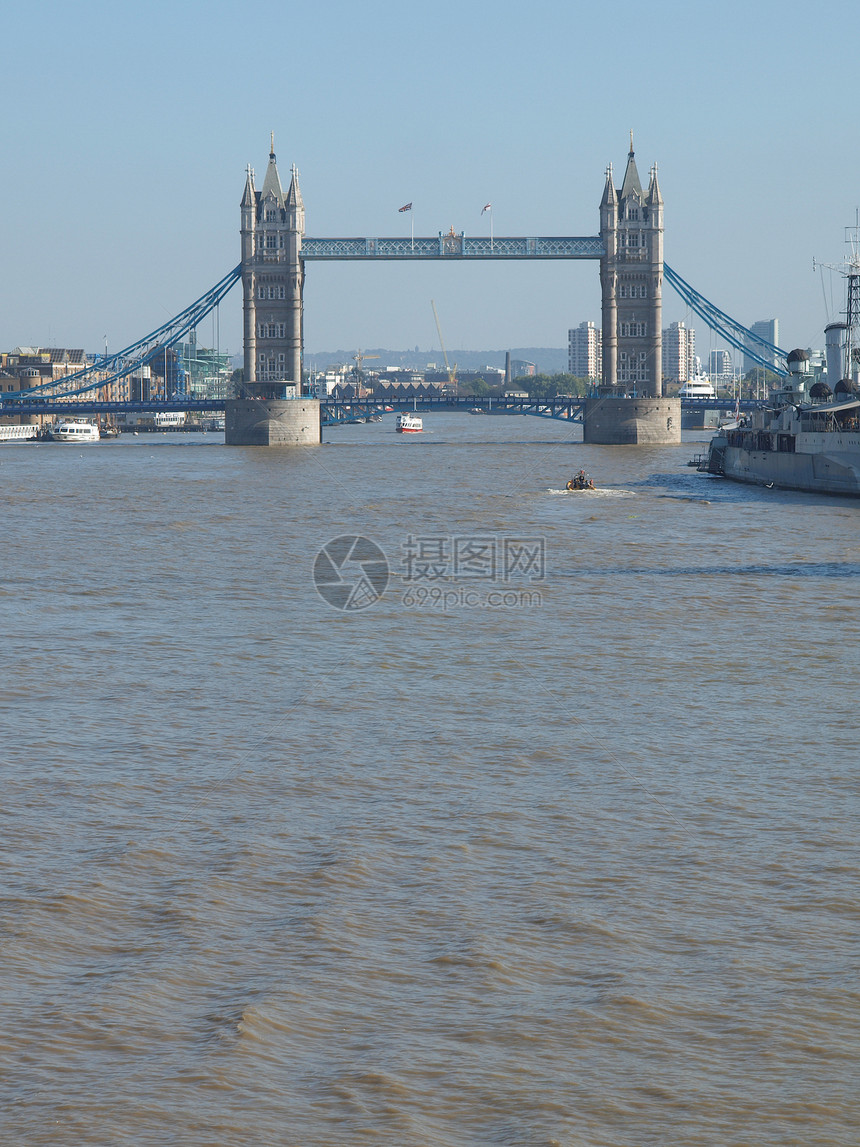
{"points": [[584, 350], [720, 365], [765, 329], [679, 353]]}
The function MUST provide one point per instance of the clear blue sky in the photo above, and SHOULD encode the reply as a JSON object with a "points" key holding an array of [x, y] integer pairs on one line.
{"points": [[128, 127]]}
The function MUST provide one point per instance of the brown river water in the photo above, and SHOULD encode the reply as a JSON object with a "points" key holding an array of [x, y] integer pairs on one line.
{"points": [[552, 843]]}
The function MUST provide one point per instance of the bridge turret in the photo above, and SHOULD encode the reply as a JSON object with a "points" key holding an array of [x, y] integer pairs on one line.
{"points": [[654, 220], [295, 204], [296, 273], [608, 275], [248, 244]]}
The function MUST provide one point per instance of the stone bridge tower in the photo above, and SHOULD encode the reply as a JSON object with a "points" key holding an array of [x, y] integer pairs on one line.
{"points": [[631, 408], [271, 410], [272, 282]]}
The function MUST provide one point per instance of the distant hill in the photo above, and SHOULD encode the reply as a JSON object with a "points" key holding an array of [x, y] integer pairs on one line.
{"points": [[548, 360]]}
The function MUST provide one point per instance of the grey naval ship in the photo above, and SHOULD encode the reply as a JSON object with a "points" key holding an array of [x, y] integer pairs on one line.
{"points": [[808, 436]]}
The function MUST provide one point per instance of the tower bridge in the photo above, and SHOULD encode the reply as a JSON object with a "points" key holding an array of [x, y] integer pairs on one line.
{"points": [[275, 251]]}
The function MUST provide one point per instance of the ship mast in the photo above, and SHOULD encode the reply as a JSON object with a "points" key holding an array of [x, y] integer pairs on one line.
{"points": [[852, 308]]}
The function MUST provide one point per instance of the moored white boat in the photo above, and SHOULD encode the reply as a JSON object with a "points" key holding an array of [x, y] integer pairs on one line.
{"points": [[18, 433], [409, 424], [697, 410], [699, 386], [74, 430]]}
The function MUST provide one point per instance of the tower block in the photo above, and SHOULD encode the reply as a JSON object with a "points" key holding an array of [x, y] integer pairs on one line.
{"points": [[271, 410], [631, 409]]}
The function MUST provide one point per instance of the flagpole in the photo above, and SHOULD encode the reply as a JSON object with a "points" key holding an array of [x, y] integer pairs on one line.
{"points": [[412, 221], [489, 207]]}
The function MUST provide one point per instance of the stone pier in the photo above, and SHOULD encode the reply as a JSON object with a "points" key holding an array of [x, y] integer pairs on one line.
{"points": [[272, 422], [616, 421]]}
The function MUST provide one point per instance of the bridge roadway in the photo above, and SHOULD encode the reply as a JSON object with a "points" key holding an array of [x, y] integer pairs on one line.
{"points": [[335, 411]]}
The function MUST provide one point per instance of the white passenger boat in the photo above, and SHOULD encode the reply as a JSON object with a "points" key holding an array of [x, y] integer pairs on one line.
{"points": [[409, 424], [74, 430]]}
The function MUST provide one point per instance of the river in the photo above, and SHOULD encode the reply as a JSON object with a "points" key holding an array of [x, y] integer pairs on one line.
{"points": [[548, 837]]}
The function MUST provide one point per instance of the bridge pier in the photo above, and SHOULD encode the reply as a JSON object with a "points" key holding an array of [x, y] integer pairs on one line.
{"points": [[618, 421], [272, 422]]}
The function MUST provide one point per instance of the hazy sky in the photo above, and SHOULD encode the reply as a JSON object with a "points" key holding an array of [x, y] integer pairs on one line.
{"points": [[128, 127]]}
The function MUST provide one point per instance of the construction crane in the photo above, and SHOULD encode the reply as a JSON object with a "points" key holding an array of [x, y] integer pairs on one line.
{"points": [[452, 371], [358, 373]]}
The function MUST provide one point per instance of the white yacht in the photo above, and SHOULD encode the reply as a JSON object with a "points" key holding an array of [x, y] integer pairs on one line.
{"points": [[699, 386]]}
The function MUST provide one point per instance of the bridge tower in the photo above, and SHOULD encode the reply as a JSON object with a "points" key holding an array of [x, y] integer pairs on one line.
{"points": [[631, 408], [273, 225], [272, 410]]}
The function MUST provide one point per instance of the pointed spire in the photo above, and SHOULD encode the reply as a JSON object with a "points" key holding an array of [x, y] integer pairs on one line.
{"points": [[609, 196], [654, 196], [631, 175], [295, 204], [249, 196], [294, 195], [272, 144], [272, 182]]}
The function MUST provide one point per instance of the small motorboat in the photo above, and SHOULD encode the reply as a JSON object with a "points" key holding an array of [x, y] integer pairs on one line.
{"points": [[580, 481]]}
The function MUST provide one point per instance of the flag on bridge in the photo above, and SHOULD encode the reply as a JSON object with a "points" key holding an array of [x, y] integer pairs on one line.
{"points": [[489, 207], [406, 207]]}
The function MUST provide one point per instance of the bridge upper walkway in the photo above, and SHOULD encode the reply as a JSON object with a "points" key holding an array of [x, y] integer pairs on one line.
{"points": [[462, 246]]}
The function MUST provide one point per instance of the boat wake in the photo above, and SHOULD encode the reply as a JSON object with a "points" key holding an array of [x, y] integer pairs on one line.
{"points": [[596, 493]]}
